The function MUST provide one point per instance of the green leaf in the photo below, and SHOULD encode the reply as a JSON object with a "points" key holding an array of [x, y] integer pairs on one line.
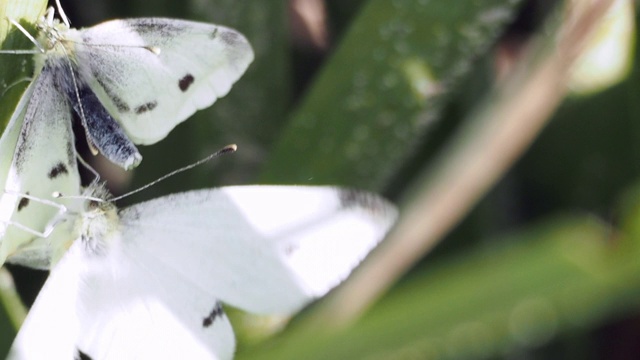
{"points": [[16, 69], [380, 94]]}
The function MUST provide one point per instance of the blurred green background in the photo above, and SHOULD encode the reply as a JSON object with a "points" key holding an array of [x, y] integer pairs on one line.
{"points": [[541, 260]]}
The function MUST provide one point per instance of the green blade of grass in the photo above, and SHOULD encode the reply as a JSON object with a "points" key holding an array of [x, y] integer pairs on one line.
{"points": [[15, 69], [380, 93]]}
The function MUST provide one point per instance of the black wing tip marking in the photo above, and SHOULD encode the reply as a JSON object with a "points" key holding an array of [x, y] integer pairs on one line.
{"points": [[351, 198], [215, 313], [23, 203], [185, 82], [80, 355], [231, 38], [57, 170], [157, 26], [146, 107]]}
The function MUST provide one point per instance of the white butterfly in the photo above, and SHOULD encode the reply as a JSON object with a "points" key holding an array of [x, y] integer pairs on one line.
{"points": [[136, 79], [146, 282], [127, 79]]}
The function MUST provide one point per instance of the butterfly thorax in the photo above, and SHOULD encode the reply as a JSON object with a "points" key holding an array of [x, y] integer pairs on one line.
{"points": [[99, 224]]}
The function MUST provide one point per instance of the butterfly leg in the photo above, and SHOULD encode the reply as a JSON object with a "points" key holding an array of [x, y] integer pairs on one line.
{"points": [[50, 226]]}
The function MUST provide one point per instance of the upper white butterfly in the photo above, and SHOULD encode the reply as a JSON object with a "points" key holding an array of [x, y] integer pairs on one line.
{"points": [[134, 80], [130, 81]]}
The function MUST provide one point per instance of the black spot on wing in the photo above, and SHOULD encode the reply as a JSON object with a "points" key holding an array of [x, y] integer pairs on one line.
{"points": [[214, 34], [119, 103], [186, 82], [213, 315], [146, 107], [23, 203], [80, 355], [57, 170]]}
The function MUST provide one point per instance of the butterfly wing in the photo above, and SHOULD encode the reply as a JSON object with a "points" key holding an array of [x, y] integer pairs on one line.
{"points": [[104, 305], [52, 325], [265, 249], [40, 137], [153, 73]]}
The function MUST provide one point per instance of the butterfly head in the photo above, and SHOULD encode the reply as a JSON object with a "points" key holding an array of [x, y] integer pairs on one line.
{"points": [[49, 27], [51, 31]]}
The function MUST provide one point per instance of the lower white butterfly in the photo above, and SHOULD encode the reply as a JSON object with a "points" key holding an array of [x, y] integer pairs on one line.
{"points": [[147, 281]]}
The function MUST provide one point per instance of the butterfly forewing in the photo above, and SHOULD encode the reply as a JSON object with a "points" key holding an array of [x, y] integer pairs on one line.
{"points": [[153, 73], [43, 162]]}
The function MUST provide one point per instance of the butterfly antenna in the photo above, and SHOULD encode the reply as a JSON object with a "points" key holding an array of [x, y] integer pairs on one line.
{"points": [[59, 195], [63, 16], [57, 218], [225, 150]]}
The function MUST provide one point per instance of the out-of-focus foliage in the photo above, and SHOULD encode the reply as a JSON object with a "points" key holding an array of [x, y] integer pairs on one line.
{"points": [[403, 88], [14, 73]]}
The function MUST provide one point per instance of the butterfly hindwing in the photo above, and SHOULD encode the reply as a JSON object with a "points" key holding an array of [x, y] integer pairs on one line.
{"points": [[104, 307], [102, 131], [41, 335], [136, 305]]}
